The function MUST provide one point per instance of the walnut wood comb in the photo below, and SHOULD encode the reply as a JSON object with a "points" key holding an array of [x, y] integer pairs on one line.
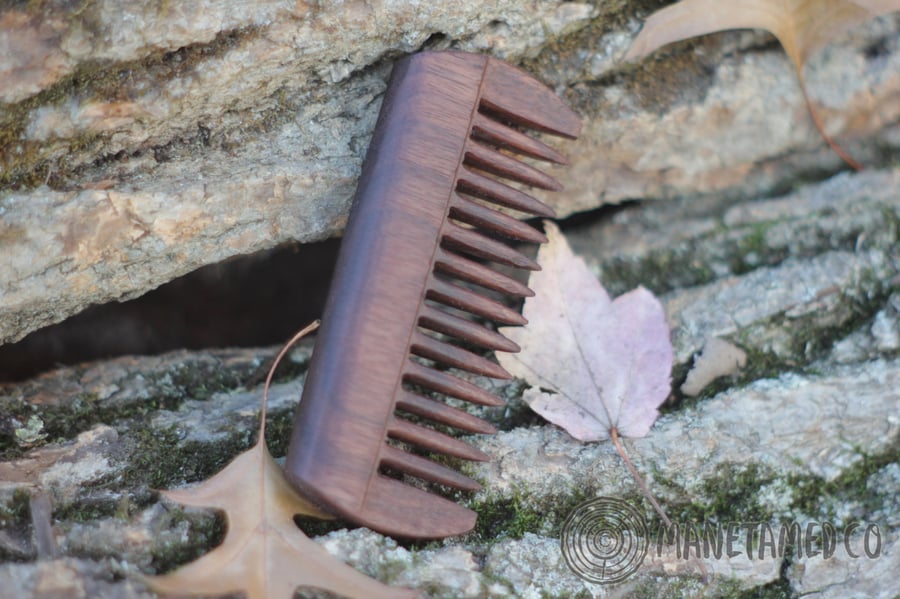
{"points": [[419, 224]]}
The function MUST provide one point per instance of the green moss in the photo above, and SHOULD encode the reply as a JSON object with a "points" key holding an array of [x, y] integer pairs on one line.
{"points": [[660, 271], [16, 511], [158, 459], [501, 517], [891, 217], [279, 426], [725, 251], [391, 570], [761, 364], [812, 335], [67, 420], [58, 422], [583, 594], [668, 587], [82, 511], [316, 527], [777, 589], [785, 343], [732, 495], [205, 531], [815, 496], [694, 262], [729, 495], [148, 457], [63, 421], [734, 588], [154, 459], [729, 588], [506, 517], [201, 381], [15, 522], [753, 249]]}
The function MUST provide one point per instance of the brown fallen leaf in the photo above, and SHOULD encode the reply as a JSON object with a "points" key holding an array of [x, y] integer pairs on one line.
{"points": [[264, 554], [802, 27], [717, 359]]}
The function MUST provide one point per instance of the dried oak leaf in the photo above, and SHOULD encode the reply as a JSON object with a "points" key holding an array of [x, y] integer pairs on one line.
{"points": [[594, 364], [264, 554], [802, 27]]}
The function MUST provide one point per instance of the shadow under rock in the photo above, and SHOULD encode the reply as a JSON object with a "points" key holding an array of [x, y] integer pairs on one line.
{"points": [[247, 301]]}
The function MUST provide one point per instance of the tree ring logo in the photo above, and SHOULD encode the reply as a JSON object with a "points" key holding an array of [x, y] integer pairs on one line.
{"points": [[604, 540]]}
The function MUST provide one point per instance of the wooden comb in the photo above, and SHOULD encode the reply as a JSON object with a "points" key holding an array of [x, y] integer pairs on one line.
{"points": [[415, 229]]}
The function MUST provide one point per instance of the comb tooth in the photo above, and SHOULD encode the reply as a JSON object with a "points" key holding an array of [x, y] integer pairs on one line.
{"points": [[404, 430], [449, 385], [500, 193], [479, 274], [482, 216], [428, 347], [426, 469], [477, 244], [444, 292], [500, 164], [523, 100], [497, 133], [443, 322], [442, 413]]}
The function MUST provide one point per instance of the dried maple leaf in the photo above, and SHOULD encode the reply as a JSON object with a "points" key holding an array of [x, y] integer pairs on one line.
{"points": [[802, 27], [597, 367], [264, 554]]}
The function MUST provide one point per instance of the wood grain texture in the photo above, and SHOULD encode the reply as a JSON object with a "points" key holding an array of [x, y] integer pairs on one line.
{"points": [[420, 224]]}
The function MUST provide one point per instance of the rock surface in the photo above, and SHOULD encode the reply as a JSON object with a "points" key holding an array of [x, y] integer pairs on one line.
{"points": [[140, 143], [806, 284]]}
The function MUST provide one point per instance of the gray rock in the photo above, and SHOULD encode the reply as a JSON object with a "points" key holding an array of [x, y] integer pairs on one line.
{"points": [[807, 432], [533, 565], [75, 578], [144, 143], [886, 326], [450, 571], [795, 292], [65, 468], [815, 414], [845, 576], [758, 273]]}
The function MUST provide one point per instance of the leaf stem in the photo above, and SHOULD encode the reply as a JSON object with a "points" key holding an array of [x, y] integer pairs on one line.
{"points": [[265, 402], [614, 434], [821, 126], [637, 477]]}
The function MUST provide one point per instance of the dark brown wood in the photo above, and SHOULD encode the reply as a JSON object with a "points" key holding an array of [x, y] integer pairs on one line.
{"points": [[449, 128]]}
